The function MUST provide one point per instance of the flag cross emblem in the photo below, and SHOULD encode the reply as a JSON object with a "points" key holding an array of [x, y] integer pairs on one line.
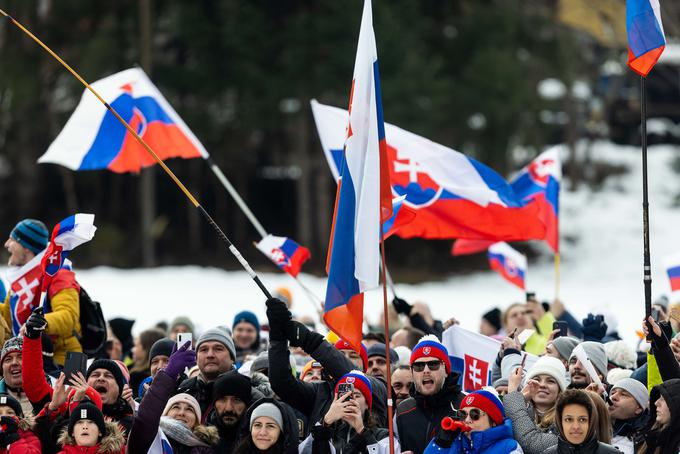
{"points": [[410, 179], [511, 267], [350, 380], [469, 400], [427, 350], [25, 292], [540, 170], [279, 257]]}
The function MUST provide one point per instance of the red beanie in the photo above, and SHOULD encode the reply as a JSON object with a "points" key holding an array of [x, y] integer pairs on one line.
{"points": [[487, 402], [342, 345], [430, 346], [360, 382]]}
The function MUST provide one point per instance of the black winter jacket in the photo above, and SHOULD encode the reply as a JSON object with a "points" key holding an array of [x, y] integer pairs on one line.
{"points": [[591, 446], [668, 438]]}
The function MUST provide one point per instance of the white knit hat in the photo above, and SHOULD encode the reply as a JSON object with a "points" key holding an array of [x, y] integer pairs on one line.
{"points": [[621, 354], [547, 365]]}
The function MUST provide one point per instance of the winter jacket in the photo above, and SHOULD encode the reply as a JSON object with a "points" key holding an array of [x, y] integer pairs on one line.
{"points": [[496, 440], [145, 428], [666, 440], [340, 438], [314, 399], [665, 360], [418, 417], [62, 314], [628, 434], [112, 443], [536, 343], [27, 443], [288, 444], [592, 446], [36, 384], [530, 437]]}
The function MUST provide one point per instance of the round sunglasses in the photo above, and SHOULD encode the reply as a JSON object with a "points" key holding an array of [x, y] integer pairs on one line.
{"points": [[474, 414]]}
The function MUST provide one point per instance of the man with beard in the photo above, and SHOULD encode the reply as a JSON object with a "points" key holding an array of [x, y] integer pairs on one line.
{"points": [[231, 398], [580, 378], [215, 355], [437, 395], [12, 381], [105, 376], [629, 413]]}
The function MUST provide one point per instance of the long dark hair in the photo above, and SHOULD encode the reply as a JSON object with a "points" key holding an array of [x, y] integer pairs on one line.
{"points": [[576, 397]]}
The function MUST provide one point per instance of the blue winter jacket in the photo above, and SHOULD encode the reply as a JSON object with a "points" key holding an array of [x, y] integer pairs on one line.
{"points": [[496, 440]]}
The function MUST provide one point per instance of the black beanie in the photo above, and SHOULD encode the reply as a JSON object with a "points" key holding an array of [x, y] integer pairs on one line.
{"points": [[161, 347], [112, 367], [493, 317], [86, 410], [232, 384], [11, 402]]}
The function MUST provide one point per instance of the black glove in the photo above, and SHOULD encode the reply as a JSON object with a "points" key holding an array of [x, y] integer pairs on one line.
{"points": [[36, 324], [279, 318], [9, 430], [401, 306], [300, 336], [445, 438], [594, 328]]}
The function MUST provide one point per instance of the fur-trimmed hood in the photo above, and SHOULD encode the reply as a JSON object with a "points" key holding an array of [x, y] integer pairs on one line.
{"points": [[207, 434], [112, 443], [27, 422]]}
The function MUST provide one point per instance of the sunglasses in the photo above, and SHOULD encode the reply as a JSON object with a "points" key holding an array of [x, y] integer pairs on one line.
{"points": [[432, 365], [474, 414]]}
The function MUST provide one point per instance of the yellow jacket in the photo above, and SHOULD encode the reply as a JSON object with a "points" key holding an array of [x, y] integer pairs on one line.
{"points": [[536, 343], [63, 319]]}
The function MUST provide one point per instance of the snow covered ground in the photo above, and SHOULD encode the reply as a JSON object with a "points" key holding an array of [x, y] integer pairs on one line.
{"points": [[601, 270]]}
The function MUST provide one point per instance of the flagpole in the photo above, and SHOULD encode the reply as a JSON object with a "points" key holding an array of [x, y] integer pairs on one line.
{"points": [[235, 252], [390, 407], [647, 267]]}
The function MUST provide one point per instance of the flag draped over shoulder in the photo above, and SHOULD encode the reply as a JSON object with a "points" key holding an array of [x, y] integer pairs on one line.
{"points": [[93, 138], [363, 200], [454, 196], [646, 39], [25, 285]]}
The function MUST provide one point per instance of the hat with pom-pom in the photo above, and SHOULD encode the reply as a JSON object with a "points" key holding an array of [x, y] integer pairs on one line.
{"points": [[488, 402], [429, 346]]}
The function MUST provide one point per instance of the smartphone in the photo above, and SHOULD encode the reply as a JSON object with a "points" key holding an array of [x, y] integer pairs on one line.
{"points": [[344, 388], [531, 296], [183, 338], [563, 327], [75, 362]]}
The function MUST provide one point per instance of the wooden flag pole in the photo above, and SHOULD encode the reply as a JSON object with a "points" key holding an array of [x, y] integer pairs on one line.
{"points": [[390, 404], [235, 252]]}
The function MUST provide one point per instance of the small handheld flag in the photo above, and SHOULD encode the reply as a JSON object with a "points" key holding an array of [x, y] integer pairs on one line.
{"points": [[646, 39], [284, 252], [94, 139], [509, 263], [673, 271]]}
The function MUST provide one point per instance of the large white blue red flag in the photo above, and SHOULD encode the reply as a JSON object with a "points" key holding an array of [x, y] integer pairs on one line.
{"points": [[538, 183], [25, 285], [455, 196], [509, 263], [284, 252], [472, 356], [646, 39], [402, 215], [70, 233], [363, 199], [94, 139], [673, 271]]}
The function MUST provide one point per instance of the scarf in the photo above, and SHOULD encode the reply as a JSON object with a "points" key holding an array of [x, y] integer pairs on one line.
{"points": [[180, 433]]}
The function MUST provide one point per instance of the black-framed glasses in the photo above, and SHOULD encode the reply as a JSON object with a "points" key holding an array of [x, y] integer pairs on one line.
{"points": [[432, 365], [474, 414]]}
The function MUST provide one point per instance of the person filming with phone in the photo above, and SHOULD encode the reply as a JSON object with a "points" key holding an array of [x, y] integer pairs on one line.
{"points": [[348, 425]]}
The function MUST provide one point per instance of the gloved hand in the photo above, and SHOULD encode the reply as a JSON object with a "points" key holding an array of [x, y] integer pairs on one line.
{"points": [[401, 306], [300, 336], [448, 431], [279, 318], [9, 430], [594, 328], [180, 359], [36, 324]]}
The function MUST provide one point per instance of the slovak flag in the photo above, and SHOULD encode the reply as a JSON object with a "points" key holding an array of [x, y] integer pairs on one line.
{"points": [[538, 183], [284, 252], [472, 355], [673, 271], [509, 263], [363, 199], [455, 196], [94, 139], [402, 214], [646, 39], [25, 284], [66, 236]]}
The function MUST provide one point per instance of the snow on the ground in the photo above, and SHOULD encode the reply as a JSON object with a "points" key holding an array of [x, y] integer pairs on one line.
{"points": [[600, 271]]}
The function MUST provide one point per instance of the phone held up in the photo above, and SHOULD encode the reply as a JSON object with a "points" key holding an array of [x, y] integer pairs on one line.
{"points": [[183, 338], [344, 388]]}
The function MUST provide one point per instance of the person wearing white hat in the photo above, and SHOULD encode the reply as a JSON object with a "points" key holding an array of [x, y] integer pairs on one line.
{"points": [[629, 411]]}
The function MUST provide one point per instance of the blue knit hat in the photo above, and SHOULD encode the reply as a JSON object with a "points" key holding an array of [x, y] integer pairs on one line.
{"points": [[31, 234], [248, 317]]}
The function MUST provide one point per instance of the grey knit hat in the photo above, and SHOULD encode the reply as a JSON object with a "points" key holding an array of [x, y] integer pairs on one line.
{"points": [[267, 409], [635, 389], [597, 355], [260, 362], [565, 345], [218, 335]]}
